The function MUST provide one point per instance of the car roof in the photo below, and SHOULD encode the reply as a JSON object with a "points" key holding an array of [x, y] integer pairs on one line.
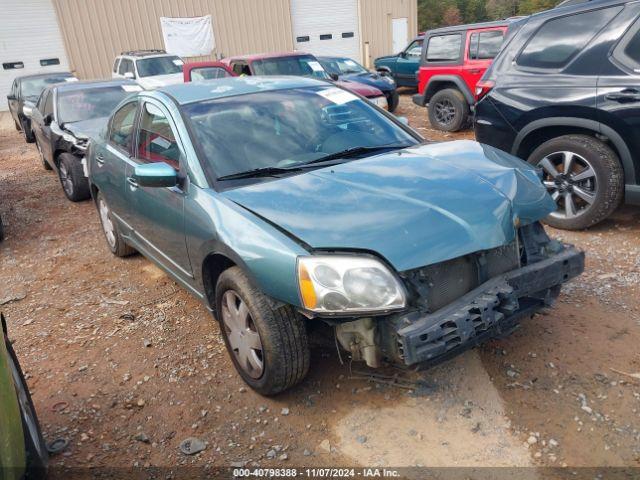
{"points": [[91, 84], [261, 56], [469, 26], [45, 75], [184, 93]]}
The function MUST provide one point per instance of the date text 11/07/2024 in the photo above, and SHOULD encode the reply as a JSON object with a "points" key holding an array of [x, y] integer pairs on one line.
{"points": [[316, 473]]}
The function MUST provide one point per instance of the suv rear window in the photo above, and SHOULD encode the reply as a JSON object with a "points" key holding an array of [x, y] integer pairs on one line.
{"points": [[485, 45], [628, 50], [558, 41], [444, 48]]}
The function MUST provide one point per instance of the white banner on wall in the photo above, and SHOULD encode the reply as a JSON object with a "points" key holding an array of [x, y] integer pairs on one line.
{"points": [[188, 37]]}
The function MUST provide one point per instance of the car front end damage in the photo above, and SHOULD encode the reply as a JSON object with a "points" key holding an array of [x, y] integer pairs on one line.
{"points": [[459, 303]]}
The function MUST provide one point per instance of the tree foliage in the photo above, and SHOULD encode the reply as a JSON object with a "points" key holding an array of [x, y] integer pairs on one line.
{"points": [[441, 13]]}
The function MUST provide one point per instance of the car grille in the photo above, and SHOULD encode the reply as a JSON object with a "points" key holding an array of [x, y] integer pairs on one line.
{"points": [[440, 284]]}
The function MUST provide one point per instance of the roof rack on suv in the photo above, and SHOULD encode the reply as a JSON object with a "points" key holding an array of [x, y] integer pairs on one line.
{"points": [[143, 52]]}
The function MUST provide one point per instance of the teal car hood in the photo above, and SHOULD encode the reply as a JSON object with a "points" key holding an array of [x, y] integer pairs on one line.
{"points": [[414, 207]]}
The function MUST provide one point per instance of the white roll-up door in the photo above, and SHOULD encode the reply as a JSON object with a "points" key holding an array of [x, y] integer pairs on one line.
{"points": [[326, 27], [29, 37]]}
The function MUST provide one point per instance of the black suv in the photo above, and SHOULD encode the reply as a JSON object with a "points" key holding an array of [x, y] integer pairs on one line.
{"points": [[564, 94]]}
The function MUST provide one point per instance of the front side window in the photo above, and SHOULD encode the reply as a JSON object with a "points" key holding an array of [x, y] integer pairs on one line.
{"points": [[79, 105], [150, 67], [156, 141], [121, 131], [208, 73], [285, 128], [115, 65], [297, 65], [48, 104], [485, 45], [444, 48], [558, 41], [414, 49]]}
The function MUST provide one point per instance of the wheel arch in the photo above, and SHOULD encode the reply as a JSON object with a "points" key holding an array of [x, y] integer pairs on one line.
{"points": [[440, 82], [540, 131]]}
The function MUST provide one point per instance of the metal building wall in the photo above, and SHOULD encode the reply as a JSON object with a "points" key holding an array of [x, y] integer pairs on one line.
{"points": [[95, 31], [375, 24]]}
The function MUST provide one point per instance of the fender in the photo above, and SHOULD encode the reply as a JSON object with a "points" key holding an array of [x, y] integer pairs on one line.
{"points": [[431, 89], [625, 155]]}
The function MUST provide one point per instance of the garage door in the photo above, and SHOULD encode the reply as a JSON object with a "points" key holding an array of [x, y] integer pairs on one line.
{"points": [[30, 42], [326, 27]]}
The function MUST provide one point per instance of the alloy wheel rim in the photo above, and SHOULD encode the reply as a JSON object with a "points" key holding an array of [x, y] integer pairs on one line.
{"points": [[572, 183], [445, 112], [242, 334], [65, 179], [107, 224]]}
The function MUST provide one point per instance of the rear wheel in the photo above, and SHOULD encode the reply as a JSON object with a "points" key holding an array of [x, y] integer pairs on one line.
{"points": [[17, 125], [116, 243], [448, 110], [267, 343], [74, 183], [584, 177], [45, 164]]}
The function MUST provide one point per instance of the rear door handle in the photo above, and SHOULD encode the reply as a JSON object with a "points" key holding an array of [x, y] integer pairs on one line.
{"points": [[100, 158], [626, 95], [132, 183]]}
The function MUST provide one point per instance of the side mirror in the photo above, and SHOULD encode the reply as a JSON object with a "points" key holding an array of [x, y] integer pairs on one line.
{"points": [[129, 75], [334, 76], [403, 54], [27, 110], [155, 175], [403, 120], [47, 119]]}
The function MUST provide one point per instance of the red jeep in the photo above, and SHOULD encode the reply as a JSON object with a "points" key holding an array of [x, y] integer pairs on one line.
{"points": [[453, 60]]}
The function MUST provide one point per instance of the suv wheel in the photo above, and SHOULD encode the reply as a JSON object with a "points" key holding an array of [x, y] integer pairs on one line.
{"points": [[584, 177], [448, 110], [116, 243], [74, 184], [267, 343]]}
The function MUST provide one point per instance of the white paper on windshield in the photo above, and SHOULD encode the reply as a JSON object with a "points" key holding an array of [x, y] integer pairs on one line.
{"points": [[351, 63], [337, 95], [315, 66], [161, 142], [132, 88], [71, 79], [178, 63]]}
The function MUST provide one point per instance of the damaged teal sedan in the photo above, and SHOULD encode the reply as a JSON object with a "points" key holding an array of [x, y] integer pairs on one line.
{"points": [[283, 203]]}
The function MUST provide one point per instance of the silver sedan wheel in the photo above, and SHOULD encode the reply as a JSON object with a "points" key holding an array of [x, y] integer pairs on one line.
{"points": [[65, 179], [242, 334], [107, 223], [571, 181]]}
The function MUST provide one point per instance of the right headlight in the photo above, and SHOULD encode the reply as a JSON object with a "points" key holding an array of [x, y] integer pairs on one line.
{"points": [[343, 284]]}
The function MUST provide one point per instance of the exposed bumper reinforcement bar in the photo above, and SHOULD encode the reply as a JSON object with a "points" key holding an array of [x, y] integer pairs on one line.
{"points": [[490, 310]]}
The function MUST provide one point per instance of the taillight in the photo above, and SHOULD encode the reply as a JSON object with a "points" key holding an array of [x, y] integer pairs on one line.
{"points": [[483, 87]]}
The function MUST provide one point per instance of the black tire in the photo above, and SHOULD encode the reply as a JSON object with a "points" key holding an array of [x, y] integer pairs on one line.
{"points": [[116, 244], [27, 133], [17, 125], [282, 333], [1, 230], [604, 188], [45, 164], [74, 184], [448, 110], [393, 99]]}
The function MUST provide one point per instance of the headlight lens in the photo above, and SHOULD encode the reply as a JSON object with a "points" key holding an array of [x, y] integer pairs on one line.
{"points": [[348, 284]]}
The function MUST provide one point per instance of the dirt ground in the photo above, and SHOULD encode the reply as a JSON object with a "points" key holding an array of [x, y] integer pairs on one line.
{"points": [[125, 365]]}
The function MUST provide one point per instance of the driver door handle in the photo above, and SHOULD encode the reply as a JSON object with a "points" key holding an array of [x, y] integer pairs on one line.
{"points": [[626, 95], [100, 158], [132, 183]]}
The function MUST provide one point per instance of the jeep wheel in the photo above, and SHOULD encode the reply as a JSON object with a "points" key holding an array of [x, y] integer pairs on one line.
{"points": [[74, 183], [583, 176], [45, 164], [448, 110], [27, 133], [267, 343], [116, 243]]}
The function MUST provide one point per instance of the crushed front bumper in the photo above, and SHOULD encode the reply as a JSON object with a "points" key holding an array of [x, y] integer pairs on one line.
{"points": [[490, 310]]}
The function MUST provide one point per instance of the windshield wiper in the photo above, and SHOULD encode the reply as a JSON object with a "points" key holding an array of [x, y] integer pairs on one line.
{"points": [[259, 172], [355, 151]]}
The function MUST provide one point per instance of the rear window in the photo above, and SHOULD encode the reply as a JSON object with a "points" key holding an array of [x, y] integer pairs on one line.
{"points": [[444, 48], [558, 41], [485, 45], [628, 51]]}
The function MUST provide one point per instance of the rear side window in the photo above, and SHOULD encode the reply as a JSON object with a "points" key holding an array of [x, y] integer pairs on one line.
{"points": [[628, 50], [126, 65], [444, 48], [48, 104], [558, 41], [115, 65], [485, 45], [121, 131]]}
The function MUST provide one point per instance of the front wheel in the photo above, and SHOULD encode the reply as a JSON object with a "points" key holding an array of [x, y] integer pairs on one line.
{"points": [[584, 177], [393, 100], [267, 343], [448, 110], [45, 164], [27, 133], [74, 183]]}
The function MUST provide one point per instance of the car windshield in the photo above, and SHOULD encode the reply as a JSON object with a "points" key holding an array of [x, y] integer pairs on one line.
{"points": [[297, 65], [79, 105], [287, 128], [150, 67], [343, 66], [33, 87]]}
